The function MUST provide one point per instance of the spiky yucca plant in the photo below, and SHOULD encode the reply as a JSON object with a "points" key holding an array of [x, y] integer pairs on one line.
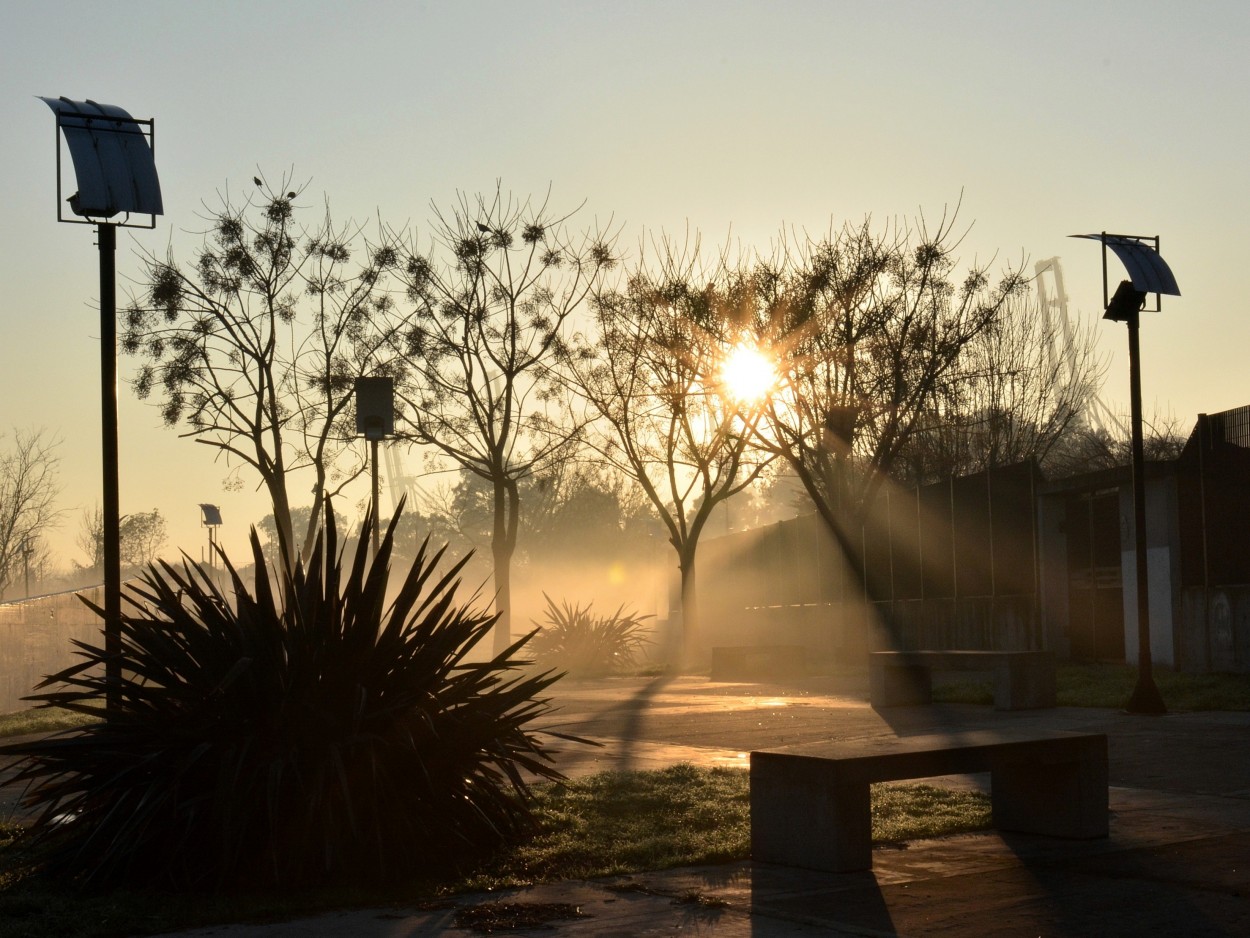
{"points": [[574, 640], [308, 734]]}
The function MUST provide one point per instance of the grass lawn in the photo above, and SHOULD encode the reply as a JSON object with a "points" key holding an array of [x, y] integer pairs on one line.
{"points": [[1109, 685], [615, 822], [43, 720]]}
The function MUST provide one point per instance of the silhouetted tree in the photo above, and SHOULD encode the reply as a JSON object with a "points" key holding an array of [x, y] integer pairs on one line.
{"points": [[662, 414], [581, 512], [37, 567], [29, 487], [572, 511], [300, 520], [415, 526], [1090, 449], [463, 512], [872, 329], [1017, 392], [141, 537], [91, 538], [254, 348], [492, 302]]}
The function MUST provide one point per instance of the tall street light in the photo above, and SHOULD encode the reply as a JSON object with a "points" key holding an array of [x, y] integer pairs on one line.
{"points": [[1149, 273], [115, 169], [375, 419], [210, 517]]}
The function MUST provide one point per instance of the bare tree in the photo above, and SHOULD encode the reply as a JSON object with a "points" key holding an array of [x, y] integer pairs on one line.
{"points": [[1018, 392], [663, 414], [37, 563], [254, 348], [142, 535], [29, 487], [91, 538], [1090, 449], [488, 328], [576, 509], [581, 510], [871, 326]]}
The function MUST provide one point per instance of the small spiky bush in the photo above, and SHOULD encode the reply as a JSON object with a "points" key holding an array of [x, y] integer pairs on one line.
{"points": [[573, 639], [306, 735]]}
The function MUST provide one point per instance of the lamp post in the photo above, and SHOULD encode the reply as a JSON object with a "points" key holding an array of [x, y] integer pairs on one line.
{"points": [[375, 420], [1149, 274], [27, 550], [115, 168], [210, 517]]}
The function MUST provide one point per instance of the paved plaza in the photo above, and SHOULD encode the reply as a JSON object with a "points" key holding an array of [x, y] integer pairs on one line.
{"points": [[1177, 861]]}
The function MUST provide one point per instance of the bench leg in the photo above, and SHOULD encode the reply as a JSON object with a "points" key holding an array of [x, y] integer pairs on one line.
{"points": [[803, 813], [899, 685], [1066, 798]]}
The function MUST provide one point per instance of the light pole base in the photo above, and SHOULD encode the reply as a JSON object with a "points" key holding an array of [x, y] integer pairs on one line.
{"points": [[1146, 698]]}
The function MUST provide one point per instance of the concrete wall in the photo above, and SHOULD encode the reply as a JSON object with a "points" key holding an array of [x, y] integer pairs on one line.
{"points": [[1163, 567], [1163, 572], [1214, 632], [845, 633], [1052, 551]]}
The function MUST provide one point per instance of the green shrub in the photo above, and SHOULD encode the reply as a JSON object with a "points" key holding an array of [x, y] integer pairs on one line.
{"points": [[325, 739], [574, 640]]}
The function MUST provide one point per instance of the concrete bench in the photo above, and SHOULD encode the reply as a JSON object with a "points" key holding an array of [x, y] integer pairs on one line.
{"points": [[810, 804], [1023, 680], [759, 662]]}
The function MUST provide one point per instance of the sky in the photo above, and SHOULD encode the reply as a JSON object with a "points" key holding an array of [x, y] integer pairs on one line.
{"points": [[730, 119]]}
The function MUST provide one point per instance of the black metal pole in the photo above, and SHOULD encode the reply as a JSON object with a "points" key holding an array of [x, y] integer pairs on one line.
{"points": [[108, 426], [377, 523], [1145, 697]]}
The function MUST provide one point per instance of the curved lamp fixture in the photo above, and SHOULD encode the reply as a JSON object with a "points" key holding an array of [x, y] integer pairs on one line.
{"points": [[1147, 269], [113, 158]]}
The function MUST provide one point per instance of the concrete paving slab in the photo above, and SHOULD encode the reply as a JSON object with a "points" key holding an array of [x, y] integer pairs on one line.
{"points": [[1177, 861], [570, 910]]}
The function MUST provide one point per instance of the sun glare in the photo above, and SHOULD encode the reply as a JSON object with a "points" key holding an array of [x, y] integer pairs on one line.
{"points": [[748, 374]]}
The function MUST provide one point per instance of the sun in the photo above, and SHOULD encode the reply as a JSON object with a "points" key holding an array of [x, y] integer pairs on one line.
{"points": [[748, 374]]}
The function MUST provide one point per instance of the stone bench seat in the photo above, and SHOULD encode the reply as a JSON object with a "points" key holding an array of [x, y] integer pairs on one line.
{"points": [[1023, 680], [810, 805]]}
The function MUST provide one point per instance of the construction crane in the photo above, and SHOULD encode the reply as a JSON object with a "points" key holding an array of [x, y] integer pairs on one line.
{"points": [[1061, 350]]}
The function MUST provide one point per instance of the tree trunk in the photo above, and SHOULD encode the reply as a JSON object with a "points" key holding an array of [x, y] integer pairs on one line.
{"points": [[691, 632], [314, 521], [282, 521], [503, 595], [502, 547]]}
